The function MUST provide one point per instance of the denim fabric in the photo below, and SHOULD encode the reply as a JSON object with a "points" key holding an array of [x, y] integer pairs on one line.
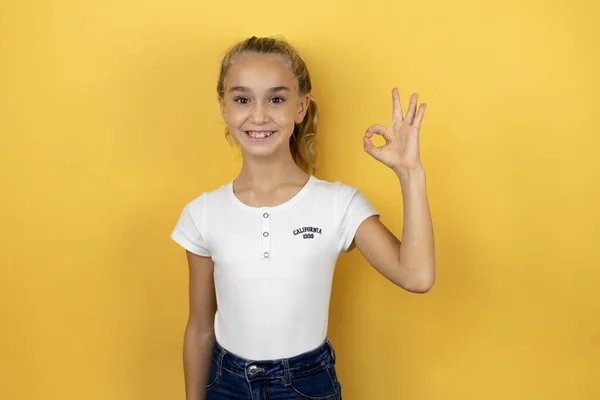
{"points": [[308, 376]]}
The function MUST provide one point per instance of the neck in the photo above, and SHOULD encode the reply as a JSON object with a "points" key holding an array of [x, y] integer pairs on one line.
{"points": [[268, 172]]}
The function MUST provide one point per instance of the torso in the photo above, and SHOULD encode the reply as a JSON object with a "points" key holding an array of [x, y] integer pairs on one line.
{"points": [[274, 265]]}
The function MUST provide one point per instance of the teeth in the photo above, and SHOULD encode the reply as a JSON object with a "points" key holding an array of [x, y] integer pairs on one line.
{"points": [[259, 135]]}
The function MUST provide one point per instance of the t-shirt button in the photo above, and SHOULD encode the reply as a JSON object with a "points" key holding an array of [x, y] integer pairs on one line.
{"points": [[266, 215], [266, 255], [265, 234]]}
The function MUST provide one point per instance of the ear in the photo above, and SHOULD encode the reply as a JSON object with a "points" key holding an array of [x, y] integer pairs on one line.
{"points": [[302, 108], [222, 106]]}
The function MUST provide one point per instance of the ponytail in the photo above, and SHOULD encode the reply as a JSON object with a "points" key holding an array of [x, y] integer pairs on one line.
{"points": [[302, 141]]}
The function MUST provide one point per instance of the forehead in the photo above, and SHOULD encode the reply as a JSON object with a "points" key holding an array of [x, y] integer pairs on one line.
{"points": [[260, 71]]}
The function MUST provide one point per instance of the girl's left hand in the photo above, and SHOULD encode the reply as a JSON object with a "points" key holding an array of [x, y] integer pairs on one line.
{"points": [[401, 149]]}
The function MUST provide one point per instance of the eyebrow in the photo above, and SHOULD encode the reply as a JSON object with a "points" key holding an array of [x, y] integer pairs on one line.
{"points": [[272, 90]]}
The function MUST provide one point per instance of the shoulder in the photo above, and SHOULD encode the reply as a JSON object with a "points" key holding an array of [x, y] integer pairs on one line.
{"points": [[339, 192], [190, 228], [350, 209], [207, 199], [194, 210], [334, 187]]}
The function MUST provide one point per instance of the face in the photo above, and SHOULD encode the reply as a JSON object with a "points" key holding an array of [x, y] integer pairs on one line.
{"points": [[261, 103]]}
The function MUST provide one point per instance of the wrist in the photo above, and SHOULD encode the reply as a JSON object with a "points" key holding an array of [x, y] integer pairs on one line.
{"points": [[407, 175]]}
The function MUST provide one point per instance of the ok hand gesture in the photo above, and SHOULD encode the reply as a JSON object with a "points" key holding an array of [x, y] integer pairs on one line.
{"points": [[401, 149]]}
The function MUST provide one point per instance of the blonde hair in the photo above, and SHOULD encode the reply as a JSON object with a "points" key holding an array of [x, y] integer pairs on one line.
{"points": [[302, 141]]}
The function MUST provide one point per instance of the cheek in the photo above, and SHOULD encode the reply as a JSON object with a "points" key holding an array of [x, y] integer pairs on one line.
{"points": [[235, 117], [286, 123], [287, 116]]}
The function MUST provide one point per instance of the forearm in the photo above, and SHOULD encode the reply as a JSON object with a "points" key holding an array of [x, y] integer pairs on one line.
{"points": [[197, 354], [417, 256]]}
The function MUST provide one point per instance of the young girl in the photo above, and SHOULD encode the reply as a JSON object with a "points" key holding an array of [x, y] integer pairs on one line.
{"points": [[262, 248]]}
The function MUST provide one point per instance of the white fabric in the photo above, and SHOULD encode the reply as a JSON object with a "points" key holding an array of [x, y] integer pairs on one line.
{"points": [[273, 265]]}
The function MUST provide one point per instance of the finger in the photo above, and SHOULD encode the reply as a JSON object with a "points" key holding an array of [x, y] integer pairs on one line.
{"points": [[396, 106], [410, 115], [370, 148], [376, 130], [419, 117]]}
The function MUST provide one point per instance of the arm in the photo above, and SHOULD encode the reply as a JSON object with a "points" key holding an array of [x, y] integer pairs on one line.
{"points": [[199, 336], [413, 268]]}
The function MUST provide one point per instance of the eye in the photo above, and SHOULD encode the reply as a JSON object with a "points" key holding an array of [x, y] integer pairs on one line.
{"points": [[241, 100], [278, 100]]}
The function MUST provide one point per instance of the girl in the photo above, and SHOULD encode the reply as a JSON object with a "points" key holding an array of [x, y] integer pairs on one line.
{"points": [[261, 249]]}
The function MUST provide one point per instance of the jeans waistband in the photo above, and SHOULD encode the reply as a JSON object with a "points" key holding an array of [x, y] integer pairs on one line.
{"points": [[280, 368]]}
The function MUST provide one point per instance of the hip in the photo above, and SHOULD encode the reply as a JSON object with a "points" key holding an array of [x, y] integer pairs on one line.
{"points": [[310, 375]]}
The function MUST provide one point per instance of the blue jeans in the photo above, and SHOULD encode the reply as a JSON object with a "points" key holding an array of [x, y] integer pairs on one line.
{"points": [[307, 376]]}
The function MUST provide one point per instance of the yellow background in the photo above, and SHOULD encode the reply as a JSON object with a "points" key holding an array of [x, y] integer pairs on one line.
{"points": [[109, 125]]}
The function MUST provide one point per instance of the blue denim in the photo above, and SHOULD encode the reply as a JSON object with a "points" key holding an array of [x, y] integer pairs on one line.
{"points": [[307, 376]]}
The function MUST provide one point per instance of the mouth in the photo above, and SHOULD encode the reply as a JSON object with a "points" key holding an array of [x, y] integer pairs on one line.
{"points": [[259, 136]]}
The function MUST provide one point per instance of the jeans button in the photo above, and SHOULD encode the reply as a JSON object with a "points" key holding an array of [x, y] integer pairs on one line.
{"points": [[253, 369]]}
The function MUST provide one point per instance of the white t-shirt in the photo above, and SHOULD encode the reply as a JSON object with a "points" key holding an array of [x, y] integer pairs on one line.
{"points": [[273, 265]]}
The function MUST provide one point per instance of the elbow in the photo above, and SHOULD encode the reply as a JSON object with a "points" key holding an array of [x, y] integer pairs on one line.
{"points": [[421, 288], [421, 284], [200, 327]]}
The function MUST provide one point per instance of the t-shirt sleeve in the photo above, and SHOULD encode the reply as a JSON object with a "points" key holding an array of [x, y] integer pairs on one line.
{"points": [[188, 232], [354, 209]]}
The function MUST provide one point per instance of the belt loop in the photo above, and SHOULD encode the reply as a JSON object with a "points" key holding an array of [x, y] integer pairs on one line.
{"points": [[220, 362], [287, 379], [331, 350]]}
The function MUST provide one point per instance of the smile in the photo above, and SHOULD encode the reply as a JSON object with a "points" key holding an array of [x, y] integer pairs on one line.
{"points": [[259, 135]]}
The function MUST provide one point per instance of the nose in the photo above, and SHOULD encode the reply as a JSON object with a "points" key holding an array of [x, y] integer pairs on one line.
{"points": [[258, 114]]}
